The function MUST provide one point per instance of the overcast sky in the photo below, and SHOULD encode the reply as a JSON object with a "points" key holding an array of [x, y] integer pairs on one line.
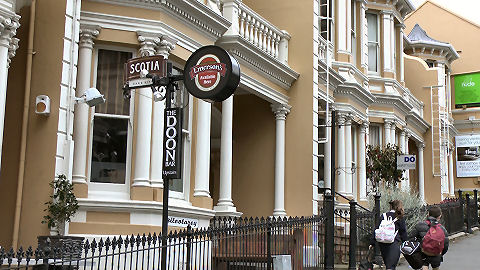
{"points": [[466, 8]]}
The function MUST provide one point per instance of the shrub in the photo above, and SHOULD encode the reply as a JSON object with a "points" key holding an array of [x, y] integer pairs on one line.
{"points": [[382, 165]]}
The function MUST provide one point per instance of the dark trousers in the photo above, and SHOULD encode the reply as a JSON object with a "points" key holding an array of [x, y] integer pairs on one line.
{"points": [[390, 254]]}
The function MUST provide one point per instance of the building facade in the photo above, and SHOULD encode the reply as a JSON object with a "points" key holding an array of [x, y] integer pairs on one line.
{"points": [[264, 151]]}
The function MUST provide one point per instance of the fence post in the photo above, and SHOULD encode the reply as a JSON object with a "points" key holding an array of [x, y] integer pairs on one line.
{"points": [[460, 199], [352, 251], [269, 246], [189, 247], [378, 256], [475, 197], [329, 232], [469, 220]]}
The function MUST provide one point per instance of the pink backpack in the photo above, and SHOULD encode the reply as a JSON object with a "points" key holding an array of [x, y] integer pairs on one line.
{"points": [[433, 242]]}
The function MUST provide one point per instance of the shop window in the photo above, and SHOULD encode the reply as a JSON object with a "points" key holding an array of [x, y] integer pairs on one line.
{"points": [[373, 43]]}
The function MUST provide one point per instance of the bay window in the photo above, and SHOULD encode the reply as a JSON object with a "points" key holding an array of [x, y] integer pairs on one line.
{"points": [[373, 43]]}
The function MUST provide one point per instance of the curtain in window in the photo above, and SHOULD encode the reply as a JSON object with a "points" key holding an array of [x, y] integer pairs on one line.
{"points": [[110, 72], [374, 135]]}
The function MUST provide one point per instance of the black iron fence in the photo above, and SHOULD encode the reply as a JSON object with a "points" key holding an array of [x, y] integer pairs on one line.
{"points": [[229, 243]]}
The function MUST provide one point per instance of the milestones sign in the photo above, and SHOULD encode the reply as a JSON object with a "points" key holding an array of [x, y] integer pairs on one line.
{"points": [[172, 144], [468, 155]]}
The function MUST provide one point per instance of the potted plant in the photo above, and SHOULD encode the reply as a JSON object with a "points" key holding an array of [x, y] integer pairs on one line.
{"points": [[60, 209]]}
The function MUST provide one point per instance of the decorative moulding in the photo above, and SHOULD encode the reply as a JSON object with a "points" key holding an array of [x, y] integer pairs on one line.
{"points": [[192, 12], [354, 90], [413, 119], [263, 91], [252, 56]]}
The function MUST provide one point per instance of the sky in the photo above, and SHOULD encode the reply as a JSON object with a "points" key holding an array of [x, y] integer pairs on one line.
{"points": [[466, 8]]}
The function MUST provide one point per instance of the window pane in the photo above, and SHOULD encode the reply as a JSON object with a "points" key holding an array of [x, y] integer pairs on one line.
{"points": [[110, 81], [374, 135], [372, 57], [109, 150], [372, 27]]}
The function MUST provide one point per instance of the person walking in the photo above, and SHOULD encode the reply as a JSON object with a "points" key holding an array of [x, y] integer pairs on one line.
{"points": [[433, 238], [391, 232]]}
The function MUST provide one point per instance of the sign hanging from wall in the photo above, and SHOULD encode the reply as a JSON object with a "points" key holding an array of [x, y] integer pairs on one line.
{"points": [[172, 144], [467, 90], [212, 74], [406, 162], [468, 155], [154, 65]]}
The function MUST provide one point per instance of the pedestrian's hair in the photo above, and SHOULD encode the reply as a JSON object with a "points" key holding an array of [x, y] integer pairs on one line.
{"points": [[435, 211], [397, 205]]}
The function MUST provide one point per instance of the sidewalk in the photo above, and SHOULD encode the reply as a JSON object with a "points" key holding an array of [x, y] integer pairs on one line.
{"points": [[462, 254]]}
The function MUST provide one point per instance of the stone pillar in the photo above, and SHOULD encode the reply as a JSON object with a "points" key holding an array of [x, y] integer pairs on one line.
{"points": [[393, 130], [421, 173], [362, 168], [280, 111], [348, 156], [327, 162], [341, 164], [364, 35], [202, 167], [225, 204], [342, 27], [401, 72], [386, 131], [451, 182], [141, 173], [164, 48], [80, 135]]}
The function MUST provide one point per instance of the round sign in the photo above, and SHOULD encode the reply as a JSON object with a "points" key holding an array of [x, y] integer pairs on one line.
{"points": [[211, 73]]}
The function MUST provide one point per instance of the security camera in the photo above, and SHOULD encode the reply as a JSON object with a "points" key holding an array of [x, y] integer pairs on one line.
{"points": [[92, 97]]}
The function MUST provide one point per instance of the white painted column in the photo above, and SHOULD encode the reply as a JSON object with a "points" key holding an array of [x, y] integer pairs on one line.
{"points": [[407, 176], [386, 131], [402, 149], [388, 46], [362, 168], [393, 130], [327, 162], [401, 72], [341, 164], [349, 25], [80, 135], [363, 35], [421, 173], [202, 167], [165, 46], [348, 157], [225, 203], [451, 182], [141, 173], [280, 111], [8, 29]]}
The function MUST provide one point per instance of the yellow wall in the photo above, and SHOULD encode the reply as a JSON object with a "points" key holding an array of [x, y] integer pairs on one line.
{"points": [[12, 132]]}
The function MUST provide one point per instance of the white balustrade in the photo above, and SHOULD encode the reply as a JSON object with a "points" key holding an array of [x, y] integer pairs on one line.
{"points": [[256, 30]]}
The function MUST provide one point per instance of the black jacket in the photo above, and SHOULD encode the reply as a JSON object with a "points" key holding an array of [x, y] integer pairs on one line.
{"points": [[422, 228]]}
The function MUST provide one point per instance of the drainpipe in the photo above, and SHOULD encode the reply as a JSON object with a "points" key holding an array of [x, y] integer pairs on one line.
{"points": [[23, 142]]}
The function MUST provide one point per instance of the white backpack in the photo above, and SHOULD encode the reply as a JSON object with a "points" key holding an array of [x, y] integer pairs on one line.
{"points": [[386, 232]]}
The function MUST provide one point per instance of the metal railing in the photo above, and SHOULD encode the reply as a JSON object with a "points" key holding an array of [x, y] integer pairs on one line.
{"points": [[229, 243]]}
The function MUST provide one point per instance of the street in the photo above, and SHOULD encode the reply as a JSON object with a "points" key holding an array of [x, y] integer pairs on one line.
{"points": [[462, 254]]}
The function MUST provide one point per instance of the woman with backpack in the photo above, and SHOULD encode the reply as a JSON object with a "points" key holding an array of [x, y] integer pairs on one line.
{"points": [[433, 238], [391, 232]]}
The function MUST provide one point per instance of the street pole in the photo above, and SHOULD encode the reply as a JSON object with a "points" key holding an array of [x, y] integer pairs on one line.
{"points": [[330, 207]]}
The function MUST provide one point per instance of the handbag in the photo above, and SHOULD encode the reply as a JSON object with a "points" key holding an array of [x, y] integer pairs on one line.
{"points": [[409, 247]]}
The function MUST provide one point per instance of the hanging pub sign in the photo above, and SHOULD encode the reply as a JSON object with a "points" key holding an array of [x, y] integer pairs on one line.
{"points": [[154, 65], [172, 144], [211, 73]]}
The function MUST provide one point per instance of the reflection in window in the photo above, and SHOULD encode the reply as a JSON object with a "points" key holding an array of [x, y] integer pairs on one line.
{"points": [[111, 120]]}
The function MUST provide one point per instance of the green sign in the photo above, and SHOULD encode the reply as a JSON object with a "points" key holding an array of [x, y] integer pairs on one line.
{"points": [[467, 90]]}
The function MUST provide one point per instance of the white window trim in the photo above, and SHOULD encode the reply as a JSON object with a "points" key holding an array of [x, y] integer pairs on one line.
{"points": [[105, 190], [377, 72]]}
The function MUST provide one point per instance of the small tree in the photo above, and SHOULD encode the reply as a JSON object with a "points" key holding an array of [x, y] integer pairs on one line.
{"points": [[63, 204], [382, 165]]}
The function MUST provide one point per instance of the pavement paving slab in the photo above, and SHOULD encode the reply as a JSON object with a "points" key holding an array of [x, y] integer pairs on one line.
{"points": [[462, 254]]}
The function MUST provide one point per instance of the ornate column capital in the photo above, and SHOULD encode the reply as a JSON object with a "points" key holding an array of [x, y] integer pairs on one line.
{"points": [[148, 43], [388, 123], [8, 29], [12, 50], [364, 126], [421, 145], [341, 118], [281, 111], [88, 33], [166, 45]]}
